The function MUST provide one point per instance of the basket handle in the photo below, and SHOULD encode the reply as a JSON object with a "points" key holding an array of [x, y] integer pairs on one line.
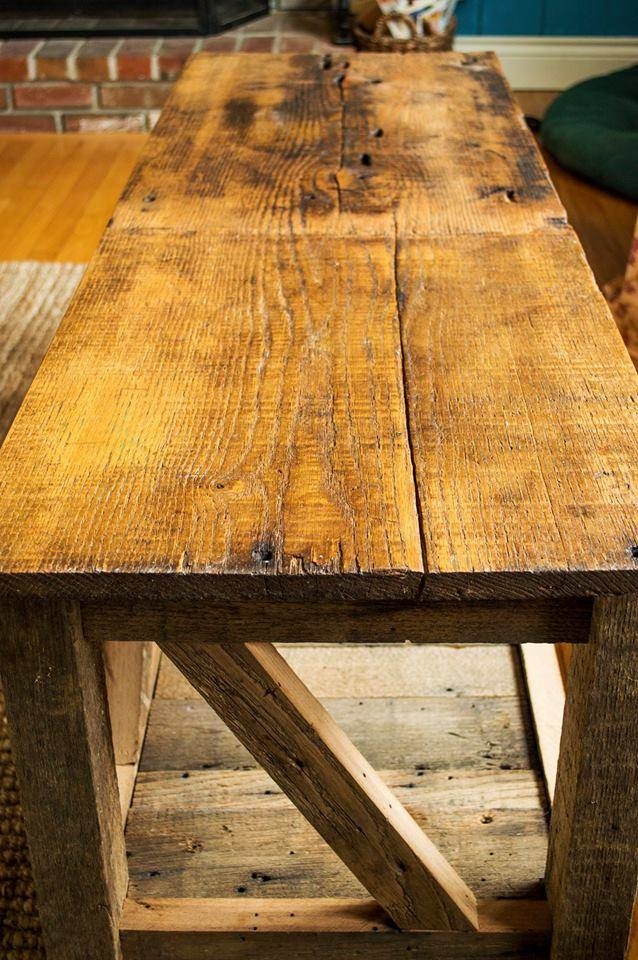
{"points": [[383, 21]]}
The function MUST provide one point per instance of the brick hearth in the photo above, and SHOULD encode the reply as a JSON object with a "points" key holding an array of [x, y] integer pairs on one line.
{"points": [[121, 83]]}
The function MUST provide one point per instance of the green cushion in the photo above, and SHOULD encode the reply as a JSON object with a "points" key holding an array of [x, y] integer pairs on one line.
{"points": [[592, 128]]}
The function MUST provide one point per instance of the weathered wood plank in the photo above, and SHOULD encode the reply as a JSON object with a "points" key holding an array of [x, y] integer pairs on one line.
{"points": [[34, 297], [593, 859], [536, 621], [471, 790], [292, 136], [294, 738], [546, 692], [56, 706], [195, 929], [282, 453], [234, 833], [130, 671], [450, 721], [394, 671], [523, 415], [422, 733]]}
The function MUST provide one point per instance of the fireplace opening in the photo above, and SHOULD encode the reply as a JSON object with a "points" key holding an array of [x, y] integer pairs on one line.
{"points": [[40, 18]]}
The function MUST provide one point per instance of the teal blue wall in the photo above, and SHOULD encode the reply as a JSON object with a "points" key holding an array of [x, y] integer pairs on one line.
{"points": [[582, 18]]}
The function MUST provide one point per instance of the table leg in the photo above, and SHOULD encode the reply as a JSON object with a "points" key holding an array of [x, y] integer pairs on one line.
{"points": [[56, 706], [593, 859]]}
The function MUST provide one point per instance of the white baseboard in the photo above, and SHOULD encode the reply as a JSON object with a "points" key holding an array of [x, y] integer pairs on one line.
{"points": [[553, 63]]}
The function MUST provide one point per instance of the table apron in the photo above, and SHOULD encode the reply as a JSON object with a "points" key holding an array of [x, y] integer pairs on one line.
{"points": [[510, 622]]}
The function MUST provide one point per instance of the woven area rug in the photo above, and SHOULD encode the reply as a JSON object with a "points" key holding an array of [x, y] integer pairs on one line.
{"points": [[33, 297]]}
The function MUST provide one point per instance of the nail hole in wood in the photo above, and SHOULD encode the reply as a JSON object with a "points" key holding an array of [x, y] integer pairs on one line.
{"points": [[262, 553]]}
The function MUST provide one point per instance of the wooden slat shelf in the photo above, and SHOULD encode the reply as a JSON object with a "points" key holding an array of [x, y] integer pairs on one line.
{"points": [[449, 730], [200, 929]]}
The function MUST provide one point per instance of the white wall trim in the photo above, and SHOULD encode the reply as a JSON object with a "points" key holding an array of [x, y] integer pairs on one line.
{"points": [[553, 63]]}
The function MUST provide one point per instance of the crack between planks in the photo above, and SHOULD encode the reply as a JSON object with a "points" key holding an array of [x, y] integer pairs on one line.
{"points": [[404, 384], [342, 135]]}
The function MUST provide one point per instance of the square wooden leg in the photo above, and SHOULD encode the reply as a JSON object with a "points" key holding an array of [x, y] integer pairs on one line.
{"points": [[593, 858], [56, 706]]}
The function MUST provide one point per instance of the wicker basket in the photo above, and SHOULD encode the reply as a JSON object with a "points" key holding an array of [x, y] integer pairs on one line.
{"points": [[380, 41]]}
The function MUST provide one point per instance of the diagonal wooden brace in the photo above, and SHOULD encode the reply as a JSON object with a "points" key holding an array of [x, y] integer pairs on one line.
{"points": [[295, 739]]}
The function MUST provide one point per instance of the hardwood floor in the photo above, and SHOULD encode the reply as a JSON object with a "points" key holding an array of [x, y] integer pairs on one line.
{"points": [[58, 192]]}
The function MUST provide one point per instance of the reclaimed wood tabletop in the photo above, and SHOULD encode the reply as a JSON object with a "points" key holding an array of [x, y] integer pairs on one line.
{"points": [[338, 342]]}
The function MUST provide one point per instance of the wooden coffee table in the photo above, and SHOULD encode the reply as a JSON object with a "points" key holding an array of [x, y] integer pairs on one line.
{"points": [[339, 371]]}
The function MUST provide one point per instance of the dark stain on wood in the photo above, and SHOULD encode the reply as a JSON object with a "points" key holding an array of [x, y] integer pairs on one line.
{"points": [[239, 114], [263, 553], [560, 222], [496, 98], [533, 176]]}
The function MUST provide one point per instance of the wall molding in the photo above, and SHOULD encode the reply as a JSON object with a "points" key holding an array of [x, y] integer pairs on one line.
{"points": [[553, 63]]}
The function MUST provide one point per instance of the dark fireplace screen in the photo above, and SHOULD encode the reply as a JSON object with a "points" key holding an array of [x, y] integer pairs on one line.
{"points": [[37, 18]]}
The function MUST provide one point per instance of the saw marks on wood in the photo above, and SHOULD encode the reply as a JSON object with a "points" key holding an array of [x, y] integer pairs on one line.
{"points": [[445, 726], [252, 385], [33, 297], [304, 465], [491, 405], [292, 149]]}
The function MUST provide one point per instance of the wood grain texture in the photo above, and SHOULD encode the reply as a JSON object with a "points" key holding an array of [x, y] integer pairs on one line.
{"points": [[394, 671], [546, 691], [286, 452], [536, 621], [516, 401], [426, 733], [447, 728], [296, 740], [297, 132], [196, 929], [56, 705], [131, 670], [592, 869], [33, 298], [226, 396], [234, 833]]}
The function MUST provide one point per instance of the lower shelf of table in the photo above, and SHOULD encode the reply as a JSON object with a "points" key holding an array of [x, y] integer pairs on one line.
{"points": [[276, 929], [212, 841]]}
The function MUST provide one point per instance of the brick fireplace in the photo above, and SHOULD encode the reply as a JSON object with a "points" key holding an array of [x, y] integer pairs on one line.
{"points": [[87, 84]]}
